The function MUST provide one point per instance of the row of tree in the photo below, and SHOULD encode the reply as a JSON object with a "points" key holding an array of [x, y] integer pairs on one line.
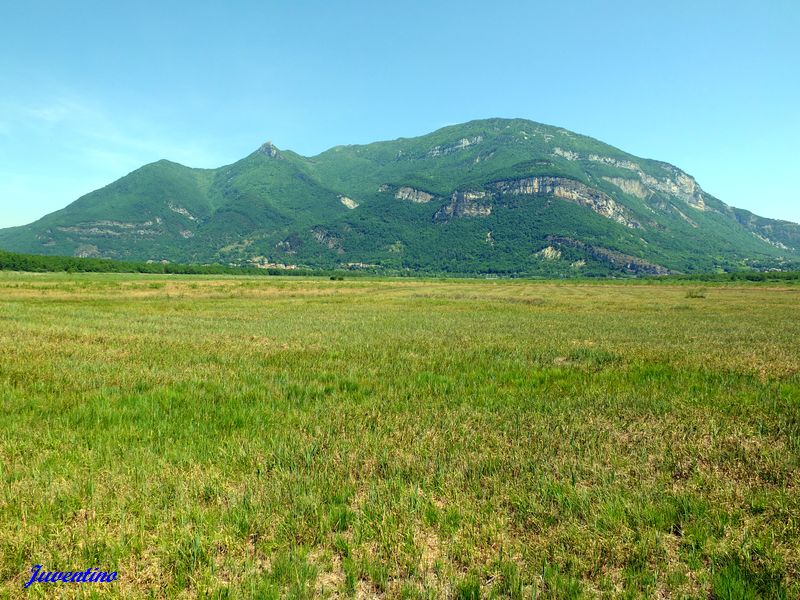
{"points": [[10, 261]]}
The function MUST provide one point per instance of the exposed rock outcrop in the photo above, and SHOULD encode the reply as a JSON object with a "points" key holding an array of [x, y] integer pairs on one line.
{"points": [[678, 184], [568, 154], [632, 187], [459, 145], [549, 253], [270, 150], [328, 239], [615, 162], [115, 228], [465, 204], [181, 211], [572, 191], [763, 238], [413, 195], [348, 202], [632, 264]]}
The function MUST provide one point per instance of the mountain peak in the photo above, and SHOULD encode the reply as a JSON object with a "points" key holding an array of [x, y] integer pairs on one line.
{"points": [[269, 149]]}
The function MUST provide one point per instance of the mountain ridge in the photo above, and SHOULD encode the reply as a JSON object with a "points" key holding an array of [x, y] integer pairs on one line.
{"points": [[505, 196]]}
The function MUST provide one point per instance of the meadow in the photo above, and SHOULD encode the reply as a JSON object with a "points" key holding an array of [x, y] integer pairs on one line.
{"points": [[235, 437]]}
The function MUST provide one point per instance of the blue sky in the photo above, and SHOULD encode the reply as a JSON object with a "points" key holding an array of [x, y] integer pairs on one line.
{"points": [[89, 91]]}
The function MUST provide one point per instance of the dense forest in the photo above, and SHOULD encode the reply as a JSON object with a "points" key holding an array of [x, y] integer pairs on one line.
{"points": [[11, 261]]}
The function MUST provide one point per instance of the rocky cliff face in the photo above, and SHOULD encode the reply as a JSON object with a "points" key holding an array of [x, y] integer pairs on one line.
{"points": [[572, 191], [412, 195], [674, 183], [465, 204], [633, 187], [479, 203], [680, 185], [631, 264]]}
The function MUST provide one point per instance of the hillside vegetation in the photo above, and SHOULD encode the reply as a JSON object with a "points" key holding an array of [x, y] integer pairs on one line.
{"points": [[498, 196]]}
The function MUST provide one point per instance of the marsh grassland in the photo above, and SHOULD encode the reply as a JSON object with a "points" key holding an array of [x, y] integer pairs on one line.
{"points": [[267, 438]]}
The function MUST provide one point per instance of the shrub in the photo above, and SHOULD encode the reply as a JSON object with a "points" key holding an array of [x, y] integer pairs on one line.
{"points": [[697, 293]]}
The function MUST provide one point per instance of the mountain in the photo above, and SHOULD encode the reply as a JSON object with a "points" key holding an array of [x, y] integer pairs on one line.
{"points": [[491, 196]]}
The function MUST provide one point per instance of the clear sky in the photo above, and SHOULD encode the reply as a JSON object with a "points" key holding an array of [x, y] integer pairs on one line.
{"points": [[91, 90]]}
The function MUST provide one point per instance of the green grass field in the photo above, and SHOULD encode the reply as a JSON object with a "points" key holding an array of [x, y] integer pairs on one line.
{"points": [[267, 438]]}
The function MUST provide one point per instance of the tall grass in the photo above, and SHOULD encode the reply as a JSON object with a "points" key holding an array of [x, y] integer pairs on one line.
{"points": [[240, 437]]}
